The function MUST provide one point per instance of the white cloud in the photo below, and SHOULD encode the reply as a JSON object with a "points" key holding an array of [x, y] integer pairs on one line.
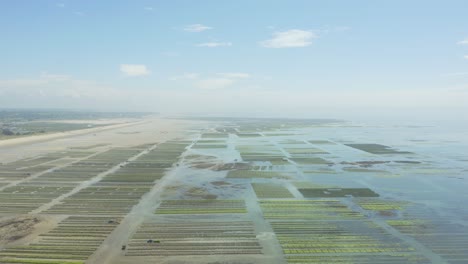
{"points": [[196, 28], [55, 86], [185, 76], [221, 80], [454, 74], [63, 91], [332, 29], [149, 8], [342, 28], [44, 78], [466, 57], [190, 75], [293, 38], [54, 77], [463, 42], [170, 54], [214, 44], [214, 83], [236, 75], [134, 69]]}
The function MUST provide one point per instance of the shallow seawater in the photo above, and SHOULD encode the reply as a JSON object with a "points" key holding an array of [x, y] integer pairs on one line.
{"points": [[418, 217]]}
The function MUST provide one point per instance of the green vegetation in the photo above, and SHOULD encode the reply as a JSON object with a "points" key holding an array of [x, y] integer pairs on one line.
{"points": [[208, 146], [248, 135], [260, 157], [71, 242], [269, 190], [308, 184], [101, 200], [260, 152], [201, 207], [90, 146], [376, 149], [317, 231], [321, 142], [33, 128], [258, 174], [369, 256], [305, 151], [365, 170], [24, 198], [279, 161], [310, 161], [214, 135], [380, 205], [307, 209], [337, 192], [18, 115], [38, 261], [17, 123], [186, 237], [324, 170]]}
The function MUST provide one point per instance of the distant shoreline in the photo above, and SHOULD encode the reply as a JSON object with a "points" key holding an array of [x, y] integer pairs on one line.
{"points": [[18, 140]]}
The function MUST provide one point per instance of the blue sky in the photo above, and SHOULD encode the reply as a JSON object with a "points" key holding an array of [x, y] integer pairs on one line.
{"points": [[227, 57]]}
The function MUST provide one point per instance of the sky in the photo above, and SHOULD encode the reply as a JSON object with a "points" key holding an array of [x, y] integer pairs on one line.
{"points": [[249, 58]]}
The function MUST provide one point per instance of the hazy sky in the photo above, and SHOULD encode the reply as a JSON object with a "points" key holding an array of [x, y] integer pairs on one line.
{"points": [[310, 58]]}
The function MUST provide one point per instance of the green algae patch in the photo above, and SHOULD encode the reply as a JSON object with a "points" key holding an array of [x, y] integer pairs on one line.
{"points": [[377, 149], [337, 192]]}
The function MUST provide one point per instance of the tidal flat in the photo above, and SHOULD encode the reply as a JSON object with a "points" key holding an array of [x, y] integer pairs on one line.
{"points": [[237, 190]]}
